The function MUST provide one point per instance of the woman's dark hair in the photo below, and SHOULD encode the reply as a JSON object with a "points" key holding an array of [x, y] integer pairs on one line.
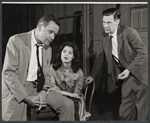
{"points": [[112, 11], [75, 62], [47, 18]]}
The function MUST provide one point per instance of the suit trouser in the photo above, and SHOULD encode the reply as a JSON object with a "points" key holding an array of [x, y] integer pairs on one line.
{"points": [[60, 103], [134, 105]]}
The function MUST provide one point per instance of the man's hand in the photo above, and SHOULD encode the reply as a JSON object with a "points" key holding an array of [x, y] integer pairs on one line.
{"points": [[33, 101], [41, 97], [88, 80], [124, 74]]}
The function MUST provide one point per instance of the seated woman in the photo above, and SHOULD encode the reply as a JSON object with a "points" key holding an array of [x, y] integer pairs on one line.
{"points": [[67, 76]]}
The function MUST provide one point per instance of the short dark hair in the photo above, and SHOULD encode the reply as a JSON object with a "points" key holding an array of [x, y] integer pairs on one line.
{"points": [[112, 11], [75, 62], [47, 18]]}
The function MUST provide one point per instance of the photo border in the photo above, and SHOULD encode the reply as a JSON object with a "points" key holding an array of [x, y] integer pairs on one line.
{"points": [[64, 1]]}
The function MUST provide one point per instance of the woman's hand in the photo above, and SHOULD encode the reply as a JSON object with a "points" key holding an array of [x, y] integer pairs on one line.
{"points": [[75, 95], [70, 94], [65, 93]]}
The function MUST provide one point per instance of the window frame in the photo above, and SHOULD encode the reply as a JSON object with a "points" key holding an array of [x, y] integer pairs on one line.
{"points": [[140, 8]]}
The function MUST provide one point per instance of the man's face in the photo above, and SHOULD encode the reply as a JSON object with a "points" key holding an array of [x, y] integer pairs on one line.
{"points": [[47, 34], [110, 24]]}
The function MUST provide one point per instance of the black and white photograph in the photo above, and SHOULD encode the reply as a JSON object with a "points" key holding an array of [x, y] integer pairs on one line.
{"points": [[74, 61]]}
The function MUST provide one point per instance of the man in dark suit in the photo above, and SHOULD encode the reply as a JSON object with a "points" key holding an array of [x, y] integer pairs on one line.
{"points": [[26, 55], [127, 60]]}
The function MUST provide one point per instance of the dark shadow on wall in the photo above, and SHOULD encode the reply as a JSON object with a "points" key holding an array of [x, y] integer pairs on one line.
{"points": [[18, 18]]}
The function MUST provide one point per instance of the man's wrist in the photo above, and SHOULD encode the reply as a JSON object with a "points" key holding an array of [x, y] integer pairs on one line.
{"points": [[45, 88], [26, 99], [48, 91]]}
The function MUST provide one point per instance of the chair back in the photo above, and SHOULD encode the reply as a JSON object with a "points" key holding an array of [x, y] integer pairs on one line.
{"points": [[88, 91]]}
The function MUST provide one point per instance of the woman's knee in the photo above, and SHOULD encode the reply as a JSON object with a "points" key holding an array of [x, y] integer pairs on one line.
{"points": [[69, 103], [57, 100]]}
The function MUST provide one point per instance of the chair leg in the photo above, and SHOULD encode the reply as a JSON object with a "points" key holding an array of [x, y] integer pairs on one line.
{"points": [[77, 117], [32, 114]]}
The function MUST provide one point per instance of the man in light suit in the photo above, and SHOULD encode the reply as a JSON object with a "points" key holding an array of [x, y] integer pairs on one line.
{"points": [[126, 61], [19, 74]]}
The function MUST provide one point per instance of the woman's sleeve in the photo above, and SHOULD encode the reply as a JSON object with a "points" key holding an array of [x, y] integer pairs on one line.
{"points": [[79, 83], [53, 80]]}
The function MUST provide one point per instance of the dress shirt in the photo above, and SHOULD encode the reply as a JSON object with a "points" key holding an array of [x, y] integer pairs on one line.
{"points": [[33, 66], [115, 45]]}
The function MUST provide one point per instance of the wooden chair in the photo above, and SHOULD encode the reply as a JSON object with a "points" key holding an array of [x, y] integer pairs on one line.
{"points": [[49, 114], [89, 91], [46, 113]]}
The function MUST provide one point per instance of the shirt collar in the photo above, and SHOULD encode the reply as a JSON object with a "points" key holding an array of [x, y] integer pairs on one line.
{"points": [[62, 69], [33, 39], [34, 42]]}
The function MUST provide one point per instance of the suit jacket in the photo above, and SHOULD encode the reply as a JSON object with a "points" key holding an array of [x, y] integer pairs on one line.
{"points": [[132, 54], [14, 75]]}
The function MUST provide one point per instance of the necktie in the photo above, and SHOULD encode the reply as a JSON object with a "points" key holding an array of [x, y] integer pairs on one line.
{"points": [[110, 54], [111, 80], [113, 66], [40, 75]]}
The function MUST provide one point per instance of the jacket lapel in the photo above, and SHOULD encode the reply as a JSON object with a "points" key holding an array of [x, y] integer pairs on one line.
{"points": [[28, 45], [119, 41], [105, 44], [120, 38], [106, 47], [46, 55]]}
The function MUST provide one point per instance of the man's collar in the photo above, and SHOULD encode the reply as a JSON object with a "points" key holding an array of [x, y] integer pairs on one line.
{"points": [[115, 33], [34, 39], [34, 42], [120, 29], [40, 45]]}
